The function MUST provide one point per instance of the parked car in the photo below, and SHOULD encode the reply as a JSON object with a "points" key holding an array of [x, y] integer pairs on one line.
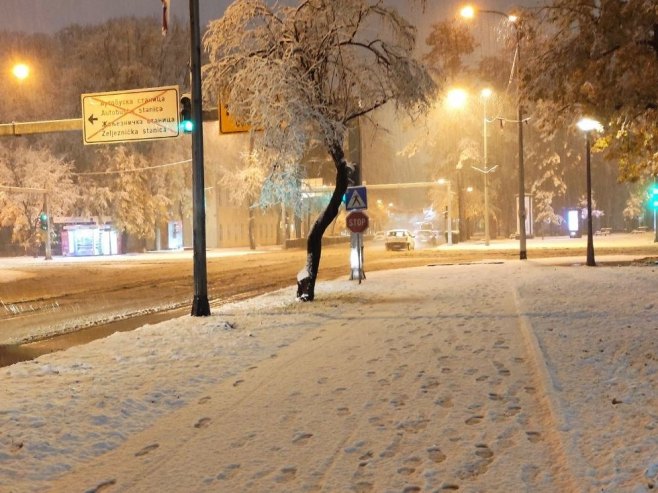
{"points": [[426, 236], [379, 236], [399, 239]]}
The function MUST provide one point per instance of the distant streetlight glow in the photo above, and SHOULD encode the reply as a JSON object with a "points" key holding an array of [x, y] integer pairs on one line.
{"points": [[456, 98], [486, 93], [21, 71]]}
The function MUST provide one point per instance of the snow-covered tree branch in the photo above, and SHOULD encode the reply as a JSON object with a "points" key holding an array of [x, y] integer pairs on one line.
{"points": [[300, 72]]}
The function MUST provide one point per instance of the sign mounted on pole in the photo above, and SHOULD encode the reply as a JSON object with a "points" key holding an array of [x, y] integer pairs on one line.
{"points": [[127, 116], [356, 198], [357, 222], [227, 124]]}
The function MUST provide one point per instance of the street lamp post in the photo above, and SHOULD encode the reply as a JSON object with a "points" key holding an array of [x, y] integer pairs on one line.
{"points": [[486, 94], [469, 12], [455, 100], [523, 254], [21, 72], [588, 125]]}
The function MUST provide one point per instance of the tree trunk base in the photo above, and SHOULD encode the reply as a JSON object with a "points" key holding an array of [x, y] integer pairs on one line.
{"points": [[305, 286]]}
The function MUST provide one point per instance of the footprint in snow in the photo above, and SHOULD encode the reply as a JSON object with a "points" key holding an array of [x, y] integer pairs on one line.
{"points": [[147, 449], [202, 423]]}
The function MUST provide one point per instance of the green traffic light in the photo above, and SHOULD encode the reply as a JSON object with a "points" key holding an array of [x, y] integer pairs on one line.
{"points": [[653, 197], [187, 126], [43, 220], [186, 122]]}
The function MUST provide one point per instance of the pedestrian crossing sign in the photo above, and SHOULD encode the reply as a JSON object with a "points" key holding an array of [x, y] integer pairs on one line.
{"points": [[356, 198]]}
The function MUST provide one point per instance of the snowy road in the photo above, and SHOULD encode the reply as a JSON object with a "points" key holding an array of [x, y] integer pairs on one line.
{"points": [[40, 299]]}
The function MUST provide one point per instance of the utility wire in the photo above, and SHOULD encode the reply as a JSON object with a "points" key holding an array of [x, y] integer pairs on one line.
{"points": [[91, 173]]}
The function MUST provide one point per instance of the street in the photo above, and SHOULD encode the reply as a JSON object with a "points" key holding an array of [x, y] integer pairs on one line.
{"points": [[40, 298]]}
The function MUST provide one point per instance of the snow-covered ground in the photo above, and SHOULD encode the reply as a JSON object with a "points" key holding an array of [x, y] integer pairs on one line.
{"points": [[498, 377]]}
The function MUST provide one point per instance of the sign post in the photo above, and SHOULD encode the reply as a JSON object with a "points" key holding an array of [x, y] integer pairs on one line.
{"points": [[128, 116], [357, 222]]}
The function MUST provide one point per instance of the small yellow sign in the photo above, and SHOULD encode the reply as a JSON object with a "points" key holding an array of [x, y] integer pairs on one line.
{"points": [[227, 124]]}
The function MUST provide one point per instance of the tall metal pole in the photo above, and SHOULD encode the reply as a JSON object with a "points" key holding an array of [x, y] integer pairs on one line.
{"points": [[655, 231], [523, 255], [200, 305], [46, 206], [486, 173], [590, 236], [449, 214]]}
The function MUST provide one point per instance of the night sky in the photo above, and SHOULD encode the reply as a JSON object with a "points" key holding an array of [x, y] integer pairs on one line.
{"points": [[52, 15]]}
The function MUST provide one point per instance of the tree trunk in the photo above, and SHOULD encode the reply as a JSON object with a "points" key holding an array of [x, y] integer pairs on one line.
{"points": [[252, 233], [307, 276], [279, 229]]}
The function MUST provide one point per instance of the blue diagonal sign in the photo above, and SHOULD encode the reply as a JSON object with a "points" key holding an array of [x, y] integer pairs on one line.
{"points": [[356, 198]]}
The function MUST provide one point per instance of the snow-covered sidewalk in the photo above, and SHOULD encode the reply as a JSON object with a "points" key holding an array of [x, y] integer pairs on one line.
{"points": [[494, 377]]}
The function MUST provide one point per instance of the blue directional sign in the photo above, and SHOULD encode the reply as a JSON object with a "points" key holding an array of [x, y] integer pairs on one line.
{"points": [[356, 198]]}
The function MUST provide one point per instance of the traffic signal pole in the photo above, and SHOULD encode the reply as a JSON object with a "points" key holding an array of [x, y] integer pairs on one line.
{"points": [[200, 305], [46, 208]]}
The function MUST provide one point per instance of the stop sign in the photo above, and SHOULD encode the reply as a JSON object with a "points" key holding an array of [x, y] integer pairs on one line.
{"points": [[357, 221]]}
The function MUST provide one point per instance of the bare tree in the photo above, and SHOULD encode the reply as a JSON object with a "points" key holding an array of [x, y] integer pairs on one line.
{"points": [[309, 70]]}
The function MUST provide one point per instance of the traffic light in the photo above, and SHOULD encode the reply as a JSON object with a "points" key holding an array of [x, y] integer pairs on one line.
{"points": [[43, 221], [653, 197], [186, 122]]}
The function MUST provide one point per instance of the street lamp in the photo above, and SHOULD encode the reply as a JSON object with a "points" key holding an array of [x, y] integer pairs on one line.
{"points": [[456, 98], [588, 125], [469, 12], [443, 181], [485, 94], [21, 71]]}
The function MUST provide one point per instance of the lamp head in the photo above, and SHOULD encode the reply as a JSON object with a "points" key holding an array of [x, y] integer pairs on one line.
{"points": [[589, 124], [21, 71], [467, 12], [456, 98]]}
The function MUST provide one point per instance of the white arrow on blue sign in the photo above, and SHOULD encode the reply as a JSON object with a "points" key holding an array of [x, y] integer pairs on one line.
{"points": [[356, 198]]}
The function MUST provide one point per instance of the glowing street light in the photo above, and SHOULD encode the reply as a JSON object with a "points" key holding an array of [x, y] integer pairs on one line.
{"points": [[588, 125], [467, 12], [21, 71], [456, 98]]}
